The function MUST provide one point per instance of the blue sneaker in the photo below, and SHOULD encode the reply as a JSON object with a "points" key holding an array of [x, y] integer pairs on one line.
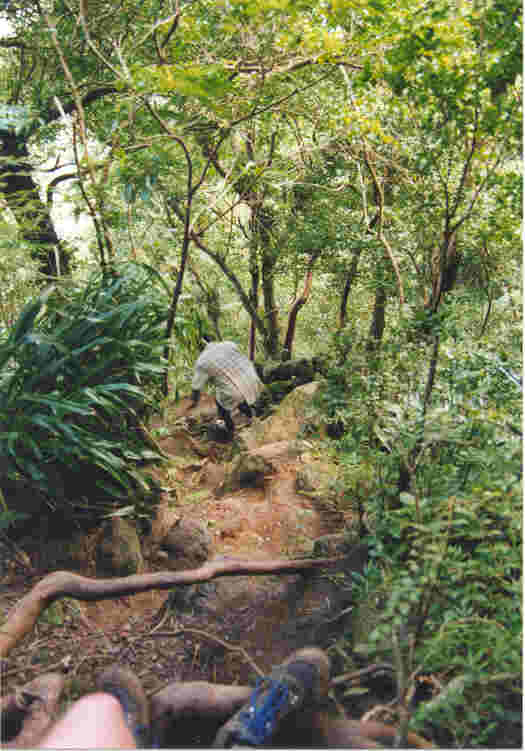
{"points": [[303, 679]]}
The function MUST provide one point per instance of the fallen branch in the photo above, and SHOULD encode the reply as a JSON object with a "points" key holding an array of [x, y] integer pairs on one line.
{"points": [[206, 635], [26, 612]]}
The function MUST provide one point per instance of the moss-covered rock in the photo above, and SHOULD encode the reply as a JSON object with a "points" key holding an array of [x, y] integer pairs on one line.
{"points": [[289, 418], [318, 478]]}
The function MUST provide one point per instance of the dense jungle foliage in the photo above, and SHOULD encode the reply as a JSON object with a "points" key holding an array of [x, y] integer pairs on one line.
{"points": [[339, 180]]}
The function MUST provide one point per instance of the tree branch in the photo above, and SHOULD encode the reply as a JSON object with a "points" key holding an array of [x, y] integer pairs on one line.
{"points": [[234, 280], [380, 233], [54, 113], [298, 303]]}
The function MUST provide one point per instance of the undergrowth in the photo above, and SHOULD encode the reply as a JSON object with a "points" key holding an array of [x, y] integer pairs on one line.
{"points": [[77, 373], [446, 546]]}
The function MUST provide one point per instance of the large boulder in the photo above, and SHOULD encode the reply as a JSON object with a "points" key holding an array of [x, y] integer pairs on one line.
{"points": [[291, 417], [302, 369]]}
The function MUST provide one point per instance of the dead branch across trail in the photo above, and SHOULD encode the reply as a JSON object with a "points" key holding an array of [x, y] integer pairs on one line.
{"points": [[26, 612]]}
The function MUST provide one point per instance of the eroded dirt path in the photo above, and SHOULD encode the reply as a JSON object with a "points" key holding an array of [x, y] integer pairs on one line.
{"points": [[225, 631]]}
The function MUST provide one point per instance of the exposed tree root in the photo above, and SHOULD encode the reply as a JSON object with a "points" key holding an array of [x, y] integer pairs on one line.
{"points": [[182, 710], [26, 612]]}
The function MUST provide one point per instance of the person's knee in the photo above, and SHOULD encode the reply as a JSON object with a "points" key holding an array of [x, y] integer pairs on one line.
{"points": [[103, 702], [93, 721], [105, 707]]}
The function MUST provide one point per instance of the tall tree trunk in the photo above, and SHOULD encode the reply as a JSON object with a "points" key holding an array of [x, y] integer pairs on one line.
{"points": [[254, 296], [173, 308], [350, 278], [445, 266], [352, 274], [232, 277], [185, 217], [212, 299], [300, 300], [22, 193], [32, 215], [270, 306], [263, 222], [377, 325]]}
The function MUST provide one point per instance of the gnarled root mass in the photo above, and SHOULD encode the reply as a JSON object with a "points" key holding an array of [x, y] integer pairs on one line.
{"points": [[184, 712], [181, 710]]}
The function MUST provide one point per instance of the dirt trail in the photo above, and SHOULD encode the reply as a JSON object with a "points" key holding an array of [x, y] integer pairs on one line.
{"points": [[224, 630]]}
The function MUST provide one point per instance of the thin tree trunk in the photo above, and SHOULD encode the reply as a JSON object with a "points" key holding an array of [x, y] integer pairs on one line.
{"points": [[263, 223], [254, 297], [351, 277], [270, 308], [229, 274], [301, 300], [377, 325], [174, 303], [445, 266]]}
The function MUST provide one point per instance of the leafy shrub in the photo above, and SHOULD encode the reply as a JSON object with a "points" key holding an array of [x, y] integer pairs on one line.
{"points": [[446, 557], [452, 568], [74, 370]]}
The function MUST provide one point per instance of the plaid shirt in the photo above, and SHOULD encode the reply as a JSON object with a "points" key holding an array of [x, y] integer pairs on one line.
{"points": [[232, 373]]}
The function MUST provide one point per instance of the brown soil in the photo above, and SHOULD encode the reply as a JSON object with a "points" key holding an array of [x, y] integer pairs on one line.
{"points": [[228, 630]]}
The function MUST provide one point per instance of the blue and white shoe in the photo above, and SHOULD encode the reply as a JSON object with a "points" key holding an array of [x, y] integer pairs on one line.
{"points": [[302, 680]]}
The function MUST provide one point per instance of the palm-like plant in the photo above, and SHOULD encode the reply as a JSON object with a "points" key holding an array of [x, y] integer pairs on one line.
{"points": [[73, 372]]}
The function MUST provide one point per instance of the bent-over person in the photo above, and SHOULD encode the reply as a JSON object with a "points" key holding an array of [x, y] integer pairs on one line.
{"points": [[236, 381]]}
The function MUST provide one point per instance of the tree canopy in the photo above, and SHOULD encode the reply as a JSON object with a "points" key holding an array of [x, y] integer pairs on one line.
{"points": [[227, 127], [332, 179]]}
